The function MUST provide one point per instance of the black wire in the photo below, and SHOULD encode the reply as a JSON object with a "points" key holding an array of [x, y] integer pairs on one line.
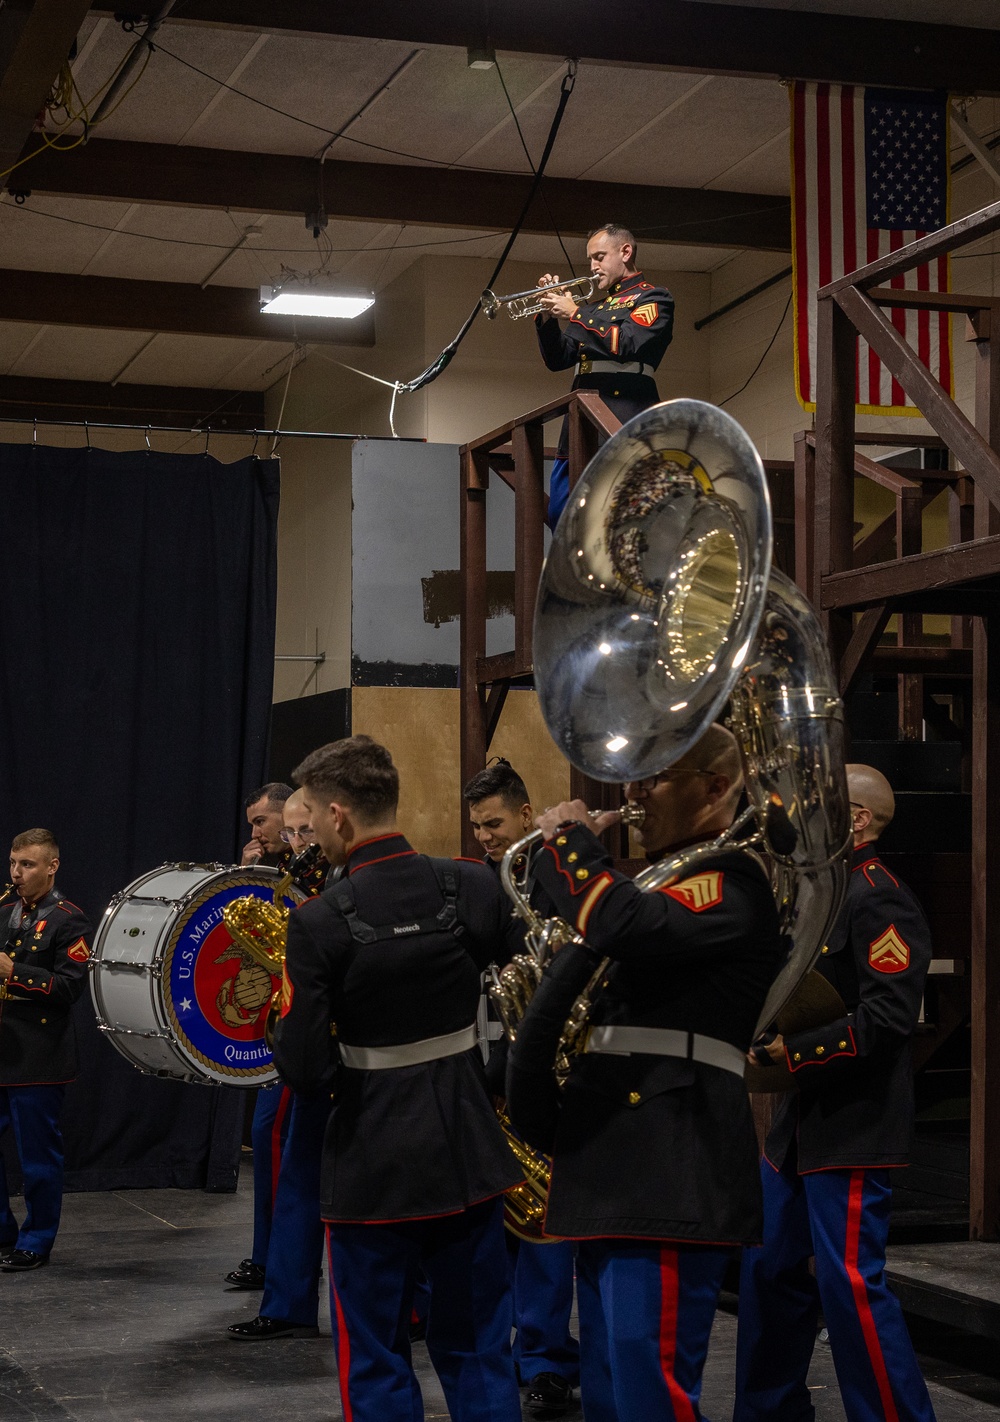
{"points": [[531, 165], [763, 357], [226, 246], [445, 358], [318, 127]]}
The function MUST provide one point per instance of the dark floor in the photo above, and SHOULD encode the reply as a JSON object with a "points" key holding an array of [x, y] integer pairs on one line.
{"points": [[128, 1324]]}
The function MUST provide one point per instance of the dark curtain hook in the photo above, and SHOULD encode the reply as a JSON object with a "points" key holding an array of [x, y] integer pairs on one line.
{"points": [[208, 431], [86, 430], [34, 432], [149, 447]]}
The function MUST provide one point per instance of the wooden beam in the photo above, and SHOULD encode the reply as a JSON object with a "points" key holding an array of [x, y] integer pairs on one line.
{"points": [[59, 299], [25, 397], [927, 661], [288, 185], [833, 511], [961, 436], [35, 40], [984, 1124], [929, 300], [943, 568], [673, 34], [861, 646], [966, 229], [474, 737]]}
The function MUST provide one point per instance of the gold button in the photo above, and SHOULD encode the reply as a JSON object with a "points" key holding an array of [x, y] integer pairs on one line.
{"points": [[31, 982], [572, 858], [820, 1051], [561, 839], [825, 949], [44, 1020], [842, 1045], [33, 948], [583, 873], [797, 1057], [18, 943], [634, 1098]]}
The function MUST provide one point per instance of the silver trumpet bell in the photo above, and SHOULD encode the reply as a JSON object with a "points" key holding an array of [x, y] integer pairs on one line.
{"points": [[657, 605]]}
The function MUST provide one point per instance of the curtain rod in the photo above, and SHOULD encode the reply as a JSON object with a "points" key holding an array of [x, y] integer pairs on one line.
{"points": [[204, 430]]}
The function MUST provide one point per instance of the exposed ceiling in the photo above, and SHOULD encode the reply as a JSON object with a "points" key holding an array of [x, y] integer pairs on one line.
{"points": [[165, 193]]}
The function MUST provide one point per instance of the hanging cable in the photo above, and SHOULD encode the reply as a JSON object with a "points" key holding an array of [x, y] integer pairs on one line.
{"points": [[531, 165], [763, 357], [447, 355]]}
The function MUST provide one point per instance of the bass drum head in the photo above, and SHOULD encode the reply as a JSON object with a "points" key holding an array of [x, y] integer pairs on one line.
{"points": [[208, 996]]}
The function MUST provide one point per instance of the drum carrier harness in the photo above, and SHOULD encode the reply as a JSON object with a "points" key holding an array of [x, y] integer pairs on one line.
{"points": [[445, 921]]}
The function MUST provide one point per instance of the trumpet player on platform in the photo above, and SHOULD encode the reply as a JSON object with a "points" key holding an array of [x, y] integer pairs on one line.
{"points": [[654, 1157], [614, 342]]}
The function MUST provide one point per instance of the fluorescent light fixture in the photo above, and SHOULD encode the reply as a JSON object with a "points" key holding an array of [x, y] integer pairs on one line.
{"points": [[616, 743], [300, 298]]}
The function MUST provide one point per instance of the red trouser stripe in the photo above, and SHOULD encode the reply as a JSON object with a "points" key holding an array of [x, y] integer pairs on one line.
{"points": [[343, 1340], [276, 1125], [865, 1318], [669, 1302]]}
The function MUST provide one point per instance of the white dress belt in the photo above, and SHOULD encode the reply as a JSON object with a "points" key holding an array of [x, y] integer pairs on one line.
{"points": [[431, 1049], [666, 1042], [614, 367]]}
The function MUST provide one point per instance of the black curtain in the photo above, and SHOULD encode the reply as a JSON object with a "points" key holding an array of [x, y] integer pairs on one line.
{"points": [[136, 660]]}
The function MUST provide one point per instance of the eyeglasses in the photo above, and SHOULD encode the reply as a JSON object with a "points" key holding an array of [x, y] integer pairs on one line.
{"points": [[650, 782], [289, 834]]}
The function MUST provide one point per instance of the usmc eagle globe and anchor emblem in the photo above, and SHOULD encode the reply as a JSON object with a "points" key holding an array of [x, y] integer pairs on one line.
{"points": [[172, 991]]}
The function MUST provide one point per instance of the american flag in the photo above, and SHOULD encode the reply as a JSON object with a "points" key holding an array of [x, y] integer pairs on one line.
{"points": [[869, 175]]}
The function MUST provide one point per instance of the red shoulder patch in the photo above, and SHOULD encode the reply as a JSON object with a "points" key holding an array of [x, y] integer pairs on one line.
{"points": [[79, 951], [646, 314], [889, 953], [287, 993], [701, 892]]}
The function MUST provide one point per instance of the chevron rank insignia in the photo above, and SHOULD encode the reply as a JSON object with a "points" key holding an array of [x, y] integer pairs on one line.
{"points": [[287, 993], [646, 314], [79, 952], [889, 953], [702, 892]]}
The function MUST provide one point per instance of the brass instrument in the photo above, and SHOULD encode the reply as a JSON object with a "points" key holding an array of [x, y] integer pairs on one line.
{"points": [[526, 303], [657, 604], [8, 890], [261, 928]]}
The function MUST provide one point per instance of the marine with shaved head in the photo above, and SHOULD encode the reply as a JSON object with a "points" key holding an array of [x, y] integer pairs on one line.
{"points": [[827, 1159]]}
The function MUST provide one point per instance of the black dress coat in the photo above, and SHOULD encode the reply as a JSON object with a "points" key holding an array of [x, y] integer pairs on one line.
{"points": [[854, 1105], [404, 1142], [649, 1146], [50, 945]]}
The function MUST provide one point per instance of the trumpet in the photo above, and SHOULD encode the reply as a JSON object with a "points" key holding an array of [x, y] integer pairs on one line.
{"points": [[527, 303]]}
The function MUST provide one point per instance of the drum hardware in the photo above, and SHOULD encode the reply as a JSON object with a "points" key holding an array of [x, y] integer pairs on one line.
{"points": [[119, 1031], [125, 966]]}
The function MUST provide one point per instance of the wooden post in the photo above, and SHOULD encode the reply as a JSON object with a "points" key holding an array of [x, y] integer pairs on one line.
{"points": [[984, 1124], [909, 539], [805, 510], [529, 524], [834, 503], [475, 479]]}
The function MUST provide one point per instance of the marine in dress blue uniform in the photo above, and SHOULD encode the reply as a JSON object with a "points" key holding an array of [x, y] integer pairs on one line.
{"points": [[614, 342], [545, 1351], [414, 1162], [828, 1158], [654, 1159], [43, 971], [290, 1140]]}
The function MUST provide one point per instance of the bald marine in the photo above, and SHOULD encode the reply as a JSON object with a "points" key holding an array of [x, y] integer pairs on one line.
{"points": [[872, 803]]}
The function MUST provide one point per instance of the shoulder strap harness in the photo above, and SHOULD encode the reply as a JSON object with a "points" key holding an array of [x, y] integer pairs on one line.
{"points": [[445, 921]]}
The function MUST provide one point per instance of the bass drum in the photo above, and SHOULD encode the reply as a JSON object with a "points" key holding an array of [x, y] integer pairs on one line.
{"points": [[171, 990]]}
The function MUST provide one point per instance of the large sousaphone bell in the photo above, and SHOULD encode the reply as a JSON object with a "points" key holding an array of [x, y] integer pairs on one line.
{"points": [[657, 607]]}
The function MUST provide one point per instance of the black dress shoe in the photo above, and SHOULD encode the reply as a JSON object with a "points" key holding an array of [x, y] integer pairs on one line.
{"points": [[6, 1250], [549, 1395], [262, 1328], [21, 1259], [247, 1275]]}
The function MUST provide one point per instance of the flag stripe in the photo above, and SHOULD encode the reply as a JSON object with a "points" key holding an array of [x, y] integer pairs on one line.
{"points": [[835, 158]]}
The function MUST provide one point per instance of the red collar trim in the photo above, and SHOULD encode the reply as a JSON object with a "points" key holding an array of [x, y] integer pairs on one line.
{"points": [[365, 851]]}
